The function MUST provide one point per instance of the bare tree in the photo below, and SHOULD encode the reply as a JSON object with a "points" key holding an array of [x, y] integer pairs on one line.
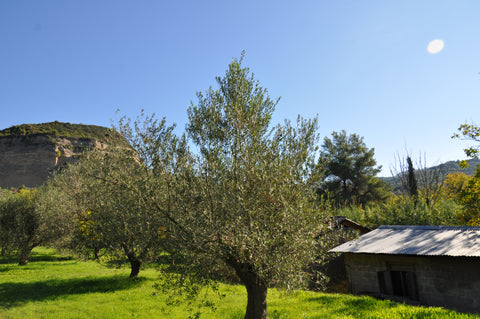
{"points": [[429, 179]]}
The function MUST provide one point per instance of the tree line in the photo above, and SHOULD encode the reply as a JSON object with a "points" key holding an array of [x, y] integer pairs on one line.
{"points": [[232, 196]]}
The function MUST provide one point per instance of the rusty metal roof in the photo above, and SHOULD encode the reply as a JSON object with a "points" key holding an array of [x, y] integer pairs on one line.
{"points": [[417, 240]]}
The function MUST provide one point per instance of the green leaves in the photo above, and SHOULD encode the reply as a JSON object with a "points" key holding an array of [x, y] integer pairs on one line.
{"points": [[29, 218], [253, 203], [235, 114], [469, 132], [349, 170]]}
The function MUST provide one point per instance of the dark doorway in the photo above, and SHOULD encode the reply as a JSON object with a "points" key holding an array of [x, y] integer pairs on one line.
{"points": [[404, 284]]}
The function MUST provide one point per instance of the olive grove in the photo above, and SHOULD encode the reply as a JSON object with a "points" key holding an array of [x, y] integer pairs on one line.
{"points": [[234, 192]]}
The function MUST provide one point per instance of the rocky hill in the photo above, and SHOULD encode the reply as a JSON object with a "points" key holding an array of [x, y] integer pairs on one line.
{"points": [[30, 153]]}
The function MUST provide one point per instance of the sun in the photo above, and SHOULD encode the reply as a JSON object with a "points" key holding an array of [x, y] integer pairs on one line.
{"points": [[435, 46]]}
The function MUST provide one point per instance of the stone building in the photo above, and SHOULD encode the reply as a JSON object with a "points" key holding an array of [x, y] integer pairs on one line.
{"points": [[424, 265]]}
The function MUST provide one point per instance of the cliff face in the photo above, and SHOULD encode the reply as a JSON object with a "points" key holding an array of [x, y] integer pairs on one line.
{"points": [[31, 160]]}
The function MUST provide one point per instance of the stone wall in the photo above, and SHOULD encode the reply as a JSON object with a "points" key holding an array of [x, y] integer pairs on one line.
{"points": [[450, 282], [31, 160]]}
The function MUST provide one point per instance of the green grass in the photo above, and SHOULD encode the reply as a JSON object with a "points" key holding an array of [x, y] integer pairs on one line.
{"points": [[55, 286]]}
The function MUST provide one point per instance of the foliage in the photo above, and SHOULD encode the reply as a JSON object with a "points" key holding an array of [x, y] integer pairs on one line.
{"points": [[470, 132], [469, 198], [253, 186], [325, 273], [60, 129], [469, 195], [444, 169], [19, 223], [427, 182], [31, 218], [399, 210], [412, 181], [110, 212], [187, 291], [454, 184], [58, 286], [6, 242], [350, 171], [85, 240]]}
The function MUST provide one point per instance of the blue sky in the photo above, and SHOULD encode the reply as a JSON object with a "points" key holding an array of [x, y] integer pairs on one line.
{"points": [[361, 66]]}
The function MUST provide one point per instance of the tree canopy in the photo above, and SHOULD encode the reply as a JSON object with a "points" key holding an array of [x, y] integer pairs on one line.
{"points": [[469, 195], [29, 218], [251, 206], [349, 170], [114, 194]]}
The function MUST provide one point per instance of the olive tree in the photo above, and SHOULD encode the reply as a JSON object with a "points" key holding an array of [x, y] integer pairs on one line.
{"points": [[5, 240], [30, 218], [244, 198], [110, 190]]}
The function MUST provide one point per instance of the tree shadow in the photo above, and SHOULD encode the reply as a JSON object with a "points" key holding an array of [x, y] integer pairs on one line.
{"points": [[34, 256], [15, 293], [52, 257], [10, 259]]}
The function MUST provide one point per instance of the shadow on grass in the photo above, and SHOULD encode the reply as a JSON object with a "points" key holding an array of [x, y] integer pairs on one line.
{"points": [[8, 260], [34, 256], [12, 294], [52, 257]]}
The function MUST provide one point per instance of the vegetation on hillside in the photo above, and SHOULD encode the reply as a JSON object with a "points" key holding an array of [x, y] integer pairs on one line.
{"points": [[442, 170], [59, 129]]}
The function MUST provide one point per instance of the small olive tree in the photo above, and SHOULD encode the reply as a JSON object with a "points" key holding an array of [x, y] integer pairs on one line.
{"points": [[5, 241], [31, 218], [109, 193]]}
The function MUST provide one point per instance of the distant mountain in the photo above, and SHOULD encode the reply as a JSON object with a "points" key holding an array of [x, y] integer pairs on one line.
{"points": [[442, 170]]}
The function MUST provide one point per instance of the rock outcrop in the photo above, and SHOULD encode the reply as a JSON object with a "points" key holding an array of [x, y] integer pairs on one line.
{"points": [[30, 160]]}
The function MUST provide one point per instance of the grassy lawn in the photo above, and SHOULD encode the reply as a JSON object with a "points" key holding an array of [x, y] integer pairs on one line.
{"points": [[55, 286]]}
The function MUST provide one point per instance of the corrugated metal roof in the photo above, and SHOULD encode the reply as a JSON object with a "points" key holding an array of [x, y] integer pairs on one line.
{"points": [[417, 240]]}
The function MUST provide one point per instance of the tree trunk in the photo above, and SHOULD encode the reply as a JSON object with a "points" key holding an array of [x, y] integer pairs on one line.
{"points": [[24, 255], [96, 253], [135, 264], [257, 301], [256, 291]]}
